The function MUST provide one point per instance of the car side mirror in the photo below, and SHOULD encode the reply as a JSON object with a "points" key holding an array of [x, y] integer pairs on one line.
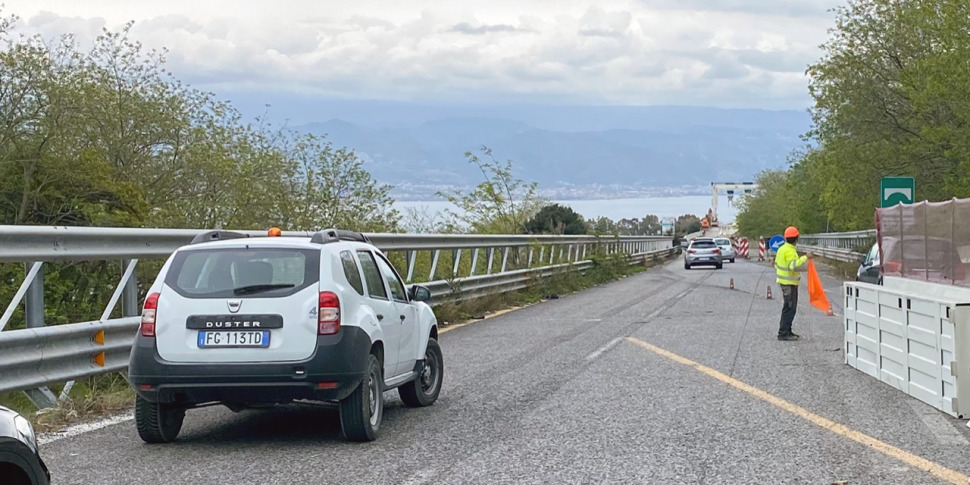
{"points": [[862, 260], [419, 293]]}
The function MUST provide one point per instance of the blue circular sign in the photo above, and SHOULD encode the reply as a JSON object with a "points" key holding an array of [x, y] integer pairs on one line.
{"points": [[776, 242]]}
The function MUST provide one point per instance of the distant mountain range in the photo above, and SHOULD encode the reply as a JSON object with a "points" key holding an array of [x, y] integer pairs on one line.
{"points": [[579, 150]]}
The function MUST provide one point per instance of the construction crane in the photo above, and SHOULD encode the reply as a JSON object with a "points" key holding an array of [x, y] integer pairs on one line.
{"points": [[731, 188]]}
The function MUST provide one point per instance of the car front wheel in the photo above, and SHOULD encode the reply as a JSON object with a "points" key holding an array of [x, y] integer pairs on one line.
{"points": [[424, 390], [362, 411]]}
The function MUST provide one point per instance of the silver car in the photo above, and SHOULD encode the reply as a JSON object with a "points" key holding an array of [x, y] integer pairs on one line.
{"points": [[703, 252], [727, 249]]}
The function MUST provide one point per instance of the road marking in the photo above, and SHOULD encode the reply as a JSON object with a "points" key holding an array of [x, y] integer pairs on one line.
{"points": [[935, 469], [78, 429], [493, 315], [601, 350]]}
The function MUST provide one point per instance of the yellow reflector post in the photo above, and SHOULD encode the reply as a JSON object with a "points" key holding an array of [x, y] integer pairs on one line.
{"points": [[99, 337], [99, 359]]}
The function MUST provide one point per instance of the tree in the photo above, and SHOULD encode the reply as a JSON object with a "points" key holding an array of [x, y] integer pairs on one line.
{"points": [[336, 191], [688, 224], [604, 225], [651, 224], [105, 136], [501, 204], [556, 219]]}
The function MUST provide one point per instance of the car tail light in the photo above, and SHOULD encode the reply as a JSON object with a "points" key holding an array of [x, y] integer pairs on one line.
{"points": [[717, 251], [328, 322], [692, 251], [148, 315]]}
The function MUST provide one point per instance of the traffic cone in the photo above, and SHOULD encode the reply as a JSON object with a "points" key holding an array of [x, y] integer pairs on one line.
{"points": [[769, 293], [732, 283]]}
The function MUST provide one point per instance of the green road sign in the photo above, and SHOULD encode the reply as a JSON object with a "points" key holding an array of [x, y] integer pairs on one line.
{"points": [[896, 190]]}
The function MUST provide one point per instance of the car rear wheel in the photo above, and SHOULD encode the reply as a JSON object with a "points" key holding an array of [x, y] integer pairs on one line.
{"points": [[362, 411], [719, 266], [686, 265], [158, 422], [424, 390]]}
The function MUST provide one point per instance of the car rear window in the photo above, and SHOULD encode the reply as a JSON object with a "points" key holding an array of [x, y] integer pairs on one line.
{"points": [[723, 242], [703, 245], [243, 272]]}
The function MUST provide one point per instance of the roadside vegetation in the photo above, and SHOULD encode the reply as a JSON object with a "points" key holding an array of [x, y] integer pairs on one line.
{"points": [[890, 99]]}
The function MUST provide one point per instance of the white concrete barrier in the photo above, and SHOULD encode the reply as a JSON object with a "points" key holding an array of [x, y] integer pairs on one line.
{"points": [[914, 336]]}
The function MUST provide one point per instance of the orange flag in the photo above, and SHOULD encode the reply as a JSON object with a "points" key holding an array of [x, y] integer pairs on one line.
{"points": [[816, 294]]}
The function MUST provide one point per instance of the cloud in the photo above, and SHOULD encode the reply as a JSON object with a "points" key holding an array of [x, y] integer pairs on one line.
{"points": [[632, 52], [778, 8], [466, 28]]}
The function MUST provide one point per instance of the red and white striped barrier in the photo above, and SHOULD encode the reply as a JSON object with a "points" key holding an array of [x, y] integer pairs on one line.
{"points": [[761, 250], [743, 247]]}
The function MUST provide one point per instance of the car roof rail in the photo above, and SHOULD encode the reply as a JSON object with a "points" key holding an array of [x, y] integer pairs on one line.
{"points": [[217, 235], [327, 236]]}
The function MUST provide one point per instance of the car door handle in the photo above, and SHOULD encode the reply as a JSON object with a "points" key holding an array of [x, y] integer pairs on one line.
{"points": [[380, 317]]}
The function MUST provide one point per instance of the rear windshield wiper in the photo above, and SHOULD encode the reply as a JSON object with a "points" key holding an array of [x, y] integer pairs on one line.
{"points": [[258, 288]]}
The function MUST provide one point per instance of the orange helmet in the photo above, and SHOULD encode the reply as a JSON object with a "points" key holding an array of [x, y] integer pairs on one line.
{"points": [[791, 232]]}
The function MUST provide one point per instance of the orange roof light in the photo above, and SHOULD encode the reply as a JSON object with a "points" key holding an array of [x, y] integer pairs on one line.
{"points": [[274, 232]]}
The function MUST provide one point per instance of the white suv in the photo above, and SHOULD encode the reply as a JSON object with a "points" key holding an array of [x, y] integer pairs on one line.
{"points": [[250, 322]]}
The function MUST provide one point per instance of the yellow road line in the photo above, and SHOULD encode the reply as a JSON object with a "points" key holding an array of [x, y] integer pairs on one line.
{"points": [[493, 315], [904, 456]]}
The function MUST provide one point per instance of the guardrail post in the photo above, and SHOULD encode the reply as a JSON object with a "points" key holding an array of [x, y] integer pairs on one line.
{"points": [[129, 299], [456, 255], [42, 397], [34, 300], [434, 264], [505, 258], [584, 251], [491, 256], [529, 264], [542, 253], [474, 262], [411, 256]]}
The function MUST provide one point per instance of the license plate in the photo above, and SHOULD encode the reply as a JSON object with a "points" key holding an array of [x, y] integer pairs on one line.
{"points": [[210, 339]]}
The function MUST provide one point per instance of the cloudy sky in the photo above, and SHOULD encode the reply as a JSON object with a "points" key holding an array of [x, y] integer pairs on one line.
{"points": [[724, 53]]}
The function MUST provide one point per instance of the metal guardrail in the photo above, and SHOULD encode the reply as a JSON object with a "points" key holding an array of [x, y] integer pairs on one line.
{"points": [[843, 255], [50, 243], [839, 240], [33, 357], [39, 355], [838, 246]]}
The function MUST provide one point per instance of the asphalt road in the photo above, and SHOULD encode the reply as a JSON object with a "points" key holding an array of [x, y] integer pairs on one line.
{"points": [[566, 392]]}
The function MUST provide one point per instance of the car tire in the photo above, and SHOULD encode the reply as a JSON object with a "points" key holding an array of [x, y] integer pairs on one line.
{"points": [[732, 260], [424, 390], [719, 266], [158, 422], [362, 411], [686, 266]]}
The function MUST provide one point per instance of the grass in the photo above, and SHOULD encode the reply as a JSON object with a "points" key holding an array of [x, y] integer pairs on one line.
{"points": [[90, 398]]}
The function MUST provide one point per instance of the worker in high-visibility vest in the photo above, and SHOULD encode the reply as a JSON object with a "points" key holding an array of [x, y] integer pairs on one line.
{"points": [[787, 266]]}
